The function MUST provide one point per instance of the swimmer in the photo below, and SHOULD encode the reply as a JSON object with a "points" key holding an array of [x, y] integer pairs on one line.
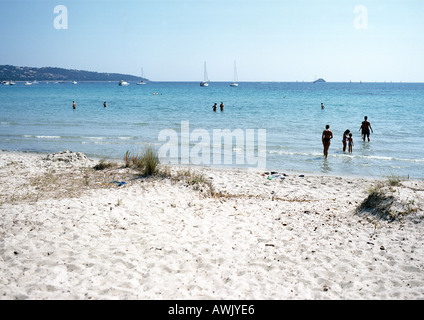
{"points": [[350, 142], [74, 105], [222, 106], [365, 128], [327, 135], [344, 140], [104, 104], [214, 107]]}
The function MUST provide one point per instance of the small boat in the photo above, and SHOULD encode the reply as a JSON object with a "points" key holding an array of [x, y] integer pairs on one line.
{"points": [[11, 83], [234, 83], [142, 78], [27, 83], [35, 82], [74, 82], [6, 83], [123, 83], [205, 81]]}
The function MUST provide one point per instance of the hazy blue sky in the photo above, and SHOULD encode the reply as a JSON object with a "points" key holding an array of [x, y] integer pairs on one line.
{"points": [[280, 40]]}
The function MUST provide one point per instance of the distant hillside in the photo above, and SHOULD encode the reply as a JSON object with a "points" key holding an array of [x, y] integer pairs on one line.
{"points": [[14, 73]]}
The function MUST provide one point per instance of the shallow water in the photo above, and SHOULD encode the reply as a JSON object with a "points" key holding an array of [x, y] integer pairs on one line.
{"points": [[40, 118]]}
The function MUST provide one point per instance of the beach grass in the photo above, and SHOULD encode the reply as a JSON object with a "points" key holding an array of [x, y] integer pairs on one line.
{"points": [[378, 203], [196, 179], [149, 161], [103, 164], [381, 201]]}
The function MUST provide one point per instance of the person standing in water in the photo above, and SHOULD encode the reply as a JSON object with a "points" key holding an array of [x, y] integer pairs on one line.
{"points": [[345, 137], [222, 106], [322, 106], [350, 142], [327, 135], [104, 104], [365, 128], [214, 107], [74, 105]]}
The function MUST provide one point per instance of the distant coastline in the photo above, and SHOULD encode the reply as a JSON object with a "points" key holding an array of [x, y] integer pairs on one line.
{"points": [[22, 74], [15, 73]]}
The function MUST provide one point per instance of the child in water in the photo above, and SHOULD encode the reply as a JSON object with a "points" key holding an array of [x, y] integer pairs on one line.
{"points": [[350, 142]]}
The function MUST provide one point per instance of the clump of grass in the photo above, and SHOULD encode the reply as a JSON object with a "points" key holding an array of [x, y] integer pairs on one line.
{"points": [[127, 159], [195, 179], [381, 202], [394, 181], [378, 204], [103, 164], [135, 159], [149, 161], [148, 164]]}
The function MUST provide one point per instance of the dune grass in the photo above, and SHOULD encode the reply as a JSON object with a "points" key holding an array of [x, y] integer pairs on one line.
{"points": [[149, 162], [103, 164], [196, 179], [382, 204], [378, 203]]}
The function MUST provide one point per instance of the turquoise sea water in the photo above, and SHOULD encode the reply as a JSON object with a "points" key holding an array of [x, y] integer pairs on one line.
{"points": [[40, 118]]}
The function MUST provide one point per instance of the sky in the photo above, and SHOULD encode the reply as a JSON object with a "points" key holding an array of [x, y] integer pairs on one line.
{"points": [[270, 40]]}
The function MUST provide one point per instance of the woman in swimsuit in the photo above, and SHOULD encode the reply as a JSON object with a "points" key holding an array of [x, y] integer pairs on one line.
{"points": [[327, 135], [345, 136]]}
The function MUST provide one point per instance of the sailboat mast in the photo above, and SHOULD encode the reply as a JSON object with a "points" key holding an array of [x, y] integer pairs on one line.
{"points": [[206, 74]]}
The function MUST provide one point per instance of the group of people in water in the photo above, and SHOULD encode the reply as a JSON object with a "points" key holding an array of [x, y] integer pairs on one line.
{"points": [[74, 105], [221, 106], [327, 134], [347, 140]]}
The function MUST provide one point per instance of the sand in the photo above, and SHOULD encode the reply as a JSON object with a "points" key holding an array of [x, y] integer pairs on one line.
{"points": [[68, 233]]}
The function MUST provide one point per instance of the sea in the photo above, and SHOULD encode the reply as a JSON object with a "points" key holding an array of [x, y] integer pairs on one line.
{"points": [[281, 123]]}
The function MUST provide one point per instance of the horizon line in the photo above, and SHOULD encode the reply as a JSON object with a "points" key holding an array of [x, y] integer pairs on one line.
{"points": [[137, 76]]}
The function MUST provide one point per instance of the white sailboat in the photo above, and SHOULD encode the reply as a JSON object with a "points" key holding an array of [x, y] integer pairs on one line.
{"points": [[205, 81], [142, 78], [234, 83]]}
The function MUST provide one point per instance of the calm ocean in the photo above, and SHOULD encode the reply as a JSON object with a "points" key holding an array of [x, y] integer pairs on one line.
{"points": [[40, 118]]}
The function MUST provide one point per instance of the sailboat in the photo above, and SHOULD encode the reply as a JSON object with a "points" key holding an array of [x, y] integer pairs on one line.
{"points": [[142, 78], [234, 84], [205, 81]]}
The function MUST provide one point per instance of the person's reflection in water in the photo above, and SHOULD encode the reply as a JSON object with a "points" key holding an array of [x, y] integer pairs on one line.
{"points": [[325, 167]]}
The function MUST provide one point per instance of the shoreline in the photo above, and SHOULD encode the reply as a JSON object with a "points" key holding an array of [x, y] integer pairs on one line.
{"points": [[70, 232], [228, 168]]}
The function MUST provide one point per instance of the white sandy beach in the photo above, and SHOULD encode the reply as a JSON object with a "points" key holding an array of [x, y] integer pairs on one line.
{"points": [[66, 233]]}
